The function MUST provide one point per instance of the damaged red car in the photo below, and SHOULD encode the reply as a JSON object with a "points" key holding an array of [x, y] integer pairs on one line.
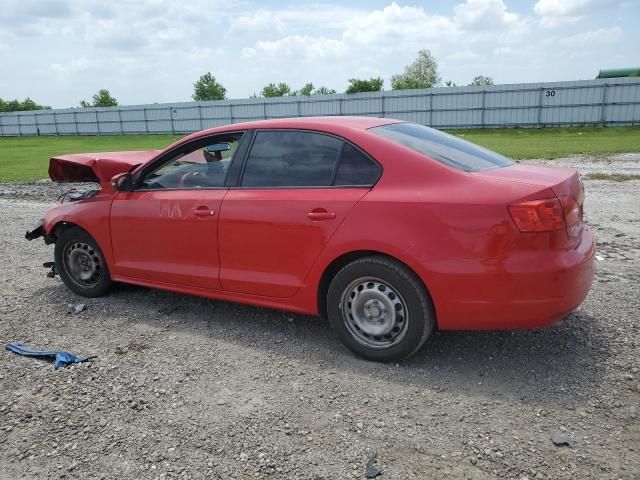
{"points": [[388, 228]]}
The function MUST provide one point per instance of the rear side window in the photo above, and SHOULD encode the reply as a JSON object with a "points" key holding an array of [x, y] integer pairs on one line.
{"points": [[444, 148], [291, 159], [355, 168]]}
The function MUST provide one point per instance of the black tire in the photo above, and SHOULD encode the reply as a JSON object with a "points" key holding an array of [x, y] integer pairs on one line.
{"points": [[76, 249], [375, 286]]}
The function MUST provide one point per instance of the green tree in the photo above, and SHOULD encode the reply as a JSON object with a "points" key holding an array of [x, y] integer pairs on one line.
{"points": [[306, 90], [207, 88], [279, 90], [357, 85], [101, 99], [450, 83], [482, 80], [18, 106], [422, 73], [324, 91]]}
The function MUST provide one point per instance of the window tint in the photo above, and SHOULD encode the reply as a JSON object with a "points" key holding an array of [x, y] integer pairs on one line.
{"points": [[204, 166], [291, 159], [440, 146], [355, 168]]}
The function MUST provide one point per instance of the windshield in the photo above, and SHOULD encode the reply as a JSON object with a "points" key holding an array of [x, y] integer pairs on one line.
{"points": [[440, 146]]}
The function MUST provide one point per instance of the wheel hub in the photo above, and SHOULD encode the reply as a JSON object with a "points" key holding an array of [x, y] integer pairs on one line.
{"points": [[374, 312], [83, 264]]}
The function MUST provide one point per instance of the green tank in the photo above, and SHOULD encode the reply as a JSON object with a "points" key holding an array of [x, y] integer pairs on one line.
{"points": [[619, 72]]}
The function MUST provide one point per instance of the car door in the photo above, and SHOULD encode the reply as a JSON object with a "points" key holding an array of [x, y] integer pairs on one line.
{"points": [[295, 190], [166, 229]]}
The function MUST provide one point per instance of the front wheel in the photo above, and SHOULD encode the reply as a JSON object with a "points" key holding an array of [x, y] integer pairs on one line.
{"points": [[380, 309], [81, 264]]}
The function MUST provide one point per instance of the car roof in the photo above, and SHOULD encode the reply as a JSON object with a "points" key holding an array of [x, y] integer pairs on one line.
{"points": [[327, 123]]}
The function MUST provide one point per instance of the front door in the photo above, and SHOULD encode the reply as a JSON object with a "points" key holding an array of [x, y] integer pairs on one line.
{"points": [[166, 230]]}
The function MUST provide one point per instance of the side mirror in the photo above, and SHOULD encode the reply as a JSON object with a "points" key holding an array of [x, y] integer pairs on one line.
{"points": [[123, 182]]}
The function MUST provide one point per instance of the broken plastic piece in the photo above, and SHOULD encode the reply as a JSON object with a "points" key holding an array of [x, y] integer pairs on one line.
{"points": [[61, 358], [52, 266]]}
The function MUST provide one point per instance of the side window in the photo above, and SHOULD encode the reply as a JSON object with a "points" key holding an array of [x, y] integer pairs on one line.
{"points": [[203, 166], [291, 159], [355, 168]]}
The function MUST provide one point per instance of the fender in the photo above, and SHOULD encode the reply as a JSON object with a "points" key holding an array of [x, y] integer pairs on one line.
{"points": [[91, 215]]}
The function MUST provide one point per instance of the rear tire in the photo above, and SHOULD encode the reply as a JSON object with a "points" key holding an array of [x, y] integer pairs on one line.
{"points": [[80, 263], [380, 309]]}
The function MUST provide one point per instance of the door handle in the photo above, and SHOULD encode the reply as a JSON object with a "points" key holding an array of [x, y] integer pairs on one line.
{"points": [[203, 211], [318, 214]]}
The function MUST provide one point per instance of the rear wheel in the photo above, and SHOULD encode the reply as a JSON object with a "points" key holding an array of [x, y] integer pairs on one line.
{"points": [[380, 309], [81, 264]]}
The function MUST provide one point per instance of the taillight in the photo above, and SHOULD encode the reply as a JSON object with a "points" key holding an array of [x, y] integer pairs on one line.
{"points": [[538, 215]]}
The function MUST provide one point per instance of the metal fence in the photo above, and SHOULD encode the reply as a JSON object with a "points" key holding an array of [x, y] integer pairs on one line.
{"points": [[588, 102]]}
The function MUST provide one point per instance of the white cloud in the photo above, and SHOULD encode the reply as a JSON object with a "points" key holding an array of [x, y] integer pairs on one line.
{"points": [[558, 12], [602, 36], [300, 46], [485, 15]]}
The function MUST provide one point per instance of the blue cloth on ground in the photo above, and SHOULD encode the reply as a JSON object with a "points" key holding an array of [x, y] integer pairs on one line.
{"points": [[61, 358]]}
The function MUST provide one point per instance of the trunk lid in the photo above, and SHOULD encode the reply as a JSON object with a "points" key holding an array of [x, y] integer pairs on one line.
{"points": [[95, 167]]}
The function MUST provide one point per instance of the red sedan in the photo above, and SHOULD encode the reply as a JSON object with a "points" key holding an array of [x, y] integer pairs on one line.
{"points": [[390, 229]]}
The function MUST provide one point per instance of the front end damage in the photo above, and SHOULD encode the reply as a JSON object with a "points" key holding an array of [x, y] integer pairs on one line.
{"points": [[38, 232]]}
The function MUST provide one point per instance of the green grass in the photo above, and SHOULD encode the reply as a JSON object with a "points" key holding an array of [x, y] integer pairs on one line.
{"points": [[27, 158], [522, 143], [613, 177]]}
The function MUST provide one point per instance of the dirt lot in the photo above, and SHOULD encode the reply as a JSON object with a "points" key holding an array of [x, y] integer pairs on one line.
{"points": [[191, 388]]}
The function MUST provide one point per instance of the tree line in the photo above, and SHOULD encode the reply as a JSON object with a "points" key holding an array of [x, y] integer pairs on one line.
{"points": [[421, 73]]}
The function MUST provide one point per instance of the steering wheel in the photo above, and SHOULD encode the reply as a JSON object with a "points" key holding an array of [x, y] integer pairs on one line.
{"points": [[188, 177]]}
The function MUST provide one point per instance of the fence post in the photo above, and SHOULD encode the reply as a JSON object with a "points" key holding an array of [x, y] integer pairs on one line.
{"points": [[538, 122], [430, 121], [604, 106], [200, 116], [97, 122], [484, 91], [231, 113], [382, 105], [298, 107], [75, 122], [120, 121], [173, 129], [264, 109], [146, 120], [35, 121], [55, 122], [1, 127]]}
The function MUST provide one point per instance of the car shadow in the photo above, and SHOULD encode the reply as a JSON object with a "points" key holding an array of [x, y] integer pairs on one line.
{"points": [[553, 364]]}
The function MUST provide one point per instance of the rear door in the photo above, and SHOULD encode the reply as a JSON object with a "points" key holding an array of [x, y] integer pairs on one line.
{"points": [[295, 190]]}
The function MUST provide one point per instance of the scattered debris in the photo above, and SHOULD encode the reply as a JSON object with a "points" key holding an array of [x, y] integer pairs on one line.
{"points": [[77, 308], [61, 358], [169, 309], [561, 439], [372, 470]]}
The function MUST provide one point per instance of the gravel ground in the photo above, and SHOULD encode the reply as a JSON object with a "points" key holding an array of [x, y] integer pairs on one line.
{"points": [[191, 388]]}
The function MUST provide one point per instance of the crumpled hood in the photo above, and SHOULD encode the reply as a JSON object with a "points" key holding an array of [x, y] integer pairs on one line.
{"points": [[95, 167]]}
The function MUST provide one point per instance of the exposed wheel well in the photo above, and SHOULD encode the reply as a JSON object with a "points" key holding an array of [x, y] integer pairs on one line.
{"points": [[340, 262], [57, 230]]}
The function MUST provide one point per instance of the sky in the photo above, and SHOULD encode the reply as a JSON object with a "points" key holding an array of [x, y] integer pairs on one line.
{"points": [[58, 52]]}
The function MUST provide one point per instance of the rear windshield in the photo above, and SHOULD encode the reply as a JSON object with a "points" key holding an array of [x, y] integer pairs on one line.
{"points": [[440, 146]]}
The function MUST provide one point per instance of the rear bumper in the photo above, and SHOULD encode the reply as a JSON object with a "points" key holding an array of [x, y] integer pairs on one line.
{"points": [[525, 290]]}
